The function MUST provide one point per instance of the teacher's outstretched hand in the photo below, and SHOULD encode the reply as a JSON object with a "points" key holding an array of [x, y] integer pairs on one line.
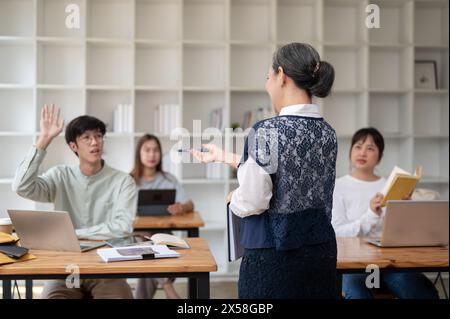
{"points": [[217, 155]]}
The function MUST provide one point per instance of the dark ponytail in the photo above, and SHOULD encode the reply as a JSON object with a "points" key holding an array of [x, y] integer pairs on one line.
{"points": [[302, 64]]}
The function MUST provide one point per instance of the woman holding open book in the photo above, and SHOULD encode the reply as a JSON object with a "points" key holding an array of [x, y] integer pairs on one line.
{"points": [[148, 174], [357, 211], [286, 180]]}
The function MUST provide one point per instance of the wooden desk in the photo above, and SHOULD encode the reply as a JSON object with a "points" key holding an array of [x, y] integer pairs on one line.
{"points": [[354, 255], [195, 263], [190, 222]]}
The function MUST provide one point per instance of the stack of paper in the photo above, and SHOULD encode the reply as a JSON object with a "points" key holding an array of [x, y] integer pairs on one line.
{"points": [[136, 253]]}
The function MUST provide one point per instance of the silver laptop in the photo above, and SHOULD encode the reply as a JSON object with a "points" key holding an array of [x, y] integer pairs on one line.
{"points": [[48, 230], [414, 223]]}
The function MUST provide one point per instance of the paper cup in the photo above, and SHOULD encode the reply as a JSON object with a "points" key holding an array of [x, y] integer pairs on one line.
{"points": [[6, 226]]}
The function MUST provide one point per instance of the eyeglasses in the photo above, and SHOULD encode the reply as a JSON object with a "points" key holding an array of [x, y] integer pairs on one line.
{"points": [[86, 139]]}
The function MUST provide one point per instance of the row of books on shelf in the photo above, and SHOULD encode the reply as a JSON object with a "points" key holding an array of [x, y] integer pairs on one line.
{"points": [[256, 115], [167, 117], [123, 119]]}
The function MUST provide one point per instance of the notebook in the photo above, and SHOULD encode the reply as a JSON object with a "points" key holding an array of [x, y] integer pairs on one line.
{"points": [[136, 253], [235, 249]]}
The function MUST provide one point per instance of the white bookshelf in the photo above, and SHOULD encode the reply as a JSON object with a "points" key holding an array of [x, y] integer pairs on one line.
{"points": [[209, 54]]}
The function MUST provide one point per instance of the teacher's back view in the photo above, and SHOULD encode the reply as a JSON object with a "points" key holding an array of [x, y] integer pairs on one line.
{"points": [[286, 181]]}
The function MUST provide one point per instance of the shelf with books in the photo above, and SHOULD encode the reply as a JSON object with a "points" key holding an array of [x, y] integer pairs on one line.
{"points": [[259, 12], [200, 13], [71, 103], [440, 57], [431, 114], [60, 64], [390, 68], [14, 103], [17, 18], [249, 65], [147, 119], [103, 104], [110, 18], [207, 107], [15, 148], [395, 23], [211, 58], [245, 108], [109, 64], [297, 20], [348, 65], [151, 15], [348, 15], [17, 63], [431, 23], [344, 112], [432, 154], [52, 17], [391, 113]]}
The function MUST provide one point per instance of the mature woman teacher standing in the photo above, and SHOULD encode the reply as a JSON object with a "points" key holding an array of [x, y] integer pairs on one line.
{"points": [[286, 180]]}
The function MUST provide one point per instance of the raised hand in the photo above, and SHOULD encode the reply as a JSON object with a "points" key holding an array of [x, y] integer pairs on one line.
{"points": [[51, 125]]}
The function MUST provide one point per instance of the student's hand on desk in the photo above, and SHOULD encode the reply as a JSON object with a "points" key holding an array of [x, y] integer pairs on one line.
{"points": [[214, 154], [175, 209], [375, 203], [51, 125]]}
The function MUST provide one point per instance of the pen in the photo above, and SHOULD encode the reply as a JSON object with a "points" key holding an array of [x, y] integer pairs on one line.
{"points": [[203, 150]]}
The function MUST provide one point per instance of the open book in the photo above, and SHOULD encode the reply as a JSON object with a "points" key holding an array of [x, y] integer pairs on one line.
{"points": [[169, 240], [136, 253], [400, 184]]}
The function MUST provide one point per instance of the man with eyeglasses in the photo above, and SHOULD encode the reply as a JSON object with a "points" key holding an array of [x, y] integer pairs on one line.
{"points": [[101, 201]]}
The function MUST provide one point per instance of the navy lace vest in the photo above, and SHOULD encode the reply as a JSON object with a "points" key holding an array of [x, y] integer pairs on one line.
{"points": [[299, 153]]}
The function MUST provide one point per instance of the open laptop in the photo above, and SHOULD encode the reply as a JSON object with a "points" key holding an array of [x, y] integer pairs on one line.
{"points": [[48, 230], [414, 223], [154, 202]]}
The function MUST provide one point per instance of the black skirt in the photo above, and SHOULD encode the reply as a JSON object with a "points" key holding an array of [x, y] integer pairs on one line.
{"points": [[305, 273]]}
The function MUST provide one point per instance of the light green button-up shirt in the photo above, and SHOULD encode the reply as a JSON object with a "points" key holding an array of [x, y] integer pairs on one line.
{"points": [[101, 206]]}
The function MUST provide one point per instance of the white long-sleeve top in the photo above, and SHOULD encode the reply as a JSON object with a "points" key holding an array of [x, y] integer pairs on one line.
{"points": [[253, 195], [352, 215]]}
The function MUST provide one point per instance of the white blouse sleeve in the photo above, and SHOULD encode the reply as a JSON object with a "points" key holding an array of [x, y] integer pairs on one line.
{"points": [[253, 195], [344, 227]]}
